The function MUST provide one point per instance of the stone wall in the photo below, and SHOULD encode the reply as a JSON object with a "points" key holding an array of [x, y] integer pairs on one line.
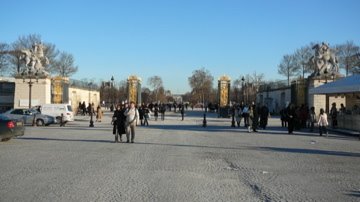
{"points": [[352, 100], [40, 93], [77, 95]]}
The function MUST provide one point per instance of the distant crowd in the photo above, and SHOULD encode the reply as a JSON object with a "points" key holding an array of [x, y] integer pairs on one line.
{"points": [[128, 115]]}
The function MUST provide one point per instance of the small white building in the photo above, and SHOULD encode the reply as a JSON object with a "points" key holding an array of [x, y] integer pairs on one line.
{"points": [[275, 99]]}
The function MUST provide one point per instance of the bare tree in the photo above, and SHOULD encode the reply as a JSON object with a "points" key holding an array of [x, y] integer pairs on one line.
{"points": [[288, 68], [345, 53], [257, 79], [201, 83], [145, 95], [356, 68], [4, 59], [236, 86], [156, 83], [64, 66], [301, 59]]}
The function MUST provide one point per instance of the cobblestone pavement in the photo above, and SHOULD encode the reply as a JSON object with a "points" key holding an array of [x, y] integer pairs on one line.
{"points": [[176, 160]]}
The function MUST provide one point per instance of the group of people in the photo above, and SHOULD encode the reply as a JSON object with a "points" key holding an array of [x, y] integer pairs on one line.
{"points": [[296, 118], [127, 116], [90, 110], [124, 121], [254, 116]]}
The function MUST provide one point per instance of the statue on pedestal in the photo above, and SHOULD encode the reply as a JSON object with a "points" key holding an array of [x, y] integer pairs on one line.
{"points": [[34, 59], [324, 60]]}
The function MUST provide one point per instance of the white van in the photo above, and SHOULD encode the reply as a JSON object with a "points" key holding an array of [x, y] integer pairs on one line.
{"points": [[56, 110]]}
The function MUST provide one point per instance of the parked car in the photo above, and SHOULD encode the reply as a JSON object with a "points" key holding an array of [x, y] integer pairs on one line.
{"points": [[28, 115], [10, 128]]}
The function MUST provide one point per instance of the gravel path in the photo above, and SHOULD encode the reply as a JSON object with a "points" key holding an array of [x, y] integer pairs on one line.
{"points": [[176, 160]]}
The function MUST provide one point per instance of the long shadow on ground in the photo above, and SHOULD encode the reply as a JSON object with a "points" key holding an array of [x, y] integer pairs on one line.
{"points": [[353, 193], [267, 149]]}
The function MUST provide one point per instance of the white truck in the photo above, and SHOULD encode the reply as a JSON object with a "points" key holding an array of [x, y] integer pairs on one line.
{"points": [[56, 110]]}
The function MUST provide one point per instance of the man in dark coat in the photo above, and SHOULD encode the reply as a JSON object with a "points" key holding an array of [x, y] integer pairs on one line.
{"points": [[182, 111], [291, 117], [264, 115], [254, 117]]}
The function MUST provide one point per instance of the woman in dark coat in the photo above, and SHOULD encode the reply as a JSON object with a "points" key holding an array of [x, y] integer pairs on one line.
{"points": [[291, 116], [264, 115], [119, 123], [254, 116]]}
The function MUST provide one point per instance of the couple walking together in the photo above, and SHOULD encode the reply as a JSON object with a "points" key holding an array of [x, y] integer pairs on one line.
{"points": [[125, 119]]}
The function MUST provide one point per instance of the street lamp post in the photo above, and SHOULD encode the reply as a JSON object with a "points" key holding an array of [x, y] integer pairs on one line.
{"points": [[112, 90], [242, 87], [90, 107], [30, 75]]}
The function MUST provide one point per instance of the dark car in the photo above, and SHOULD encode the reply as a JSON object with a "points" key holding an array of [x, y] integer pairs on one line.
{"points": [[10, 128], [28, 115]]}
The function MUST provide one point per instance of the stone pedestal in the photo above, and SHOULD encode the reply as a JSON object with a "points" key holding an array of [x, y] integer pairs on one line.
{"points": [[41, 92], [314, 100], [323, 101], [134, 89]]}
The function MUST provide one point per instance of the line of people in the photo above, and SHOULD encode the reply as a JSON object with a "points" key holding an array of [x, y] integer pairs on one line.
{"points": [[297, 118]]}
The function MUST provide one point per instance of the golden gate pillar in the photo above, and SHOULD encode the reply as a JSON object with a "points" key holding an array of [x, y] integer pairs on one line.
{"points": [[224, 96], [134, 89]]}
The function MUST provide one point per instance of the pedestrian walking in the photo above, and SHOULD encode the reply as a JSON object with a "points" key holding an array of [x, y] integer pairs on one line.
{"points": [[312, 118], [333, 114], [99, 114], [323, 123], [254, 116], [162, 111], [156, 112], [264, 116], [79, 110], [83, 107], [245, 113], [283, 118], [141, 115], [146, 115], [182, 111], [118, 122], [132, 116], [238, 115], [291, 116]]}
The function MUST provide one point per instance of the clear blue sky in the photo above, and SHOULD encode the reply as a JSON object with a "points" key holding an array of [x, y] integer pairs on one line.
{"points": [[172, 38]]}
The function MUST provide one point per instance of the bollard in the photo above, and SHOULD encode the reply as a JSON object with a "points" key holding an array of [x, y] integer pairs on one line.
{"points": [[91, 120], [233, 120], [204, 121], [62, 120]]}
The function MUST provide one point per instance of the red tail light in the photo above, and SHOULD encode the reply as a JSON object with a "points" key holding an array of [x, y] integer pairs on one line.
{"points": [[10, 124]]}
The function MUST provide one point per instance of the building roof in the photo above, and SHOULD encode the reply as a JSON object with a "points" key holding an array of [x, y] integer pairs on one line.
{"points": [[349, 84]]}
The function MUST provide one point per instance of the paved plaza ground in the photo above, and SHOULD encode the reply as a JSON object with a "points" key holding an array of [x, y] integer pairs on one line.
{"points": [[176, 160]]}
